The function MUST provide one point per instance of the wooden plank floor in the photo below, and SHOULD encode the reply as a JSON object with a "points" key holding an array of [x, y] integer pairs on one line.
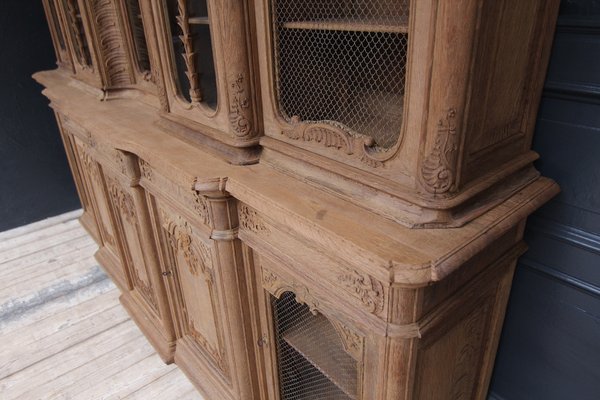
{"points": [[63, 333]]}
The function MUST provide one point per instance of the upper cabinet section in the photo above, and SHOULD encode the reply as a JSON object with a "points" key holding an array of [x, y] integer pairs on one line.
{"points": [[108, 44], [420, 110], [212, 95]]}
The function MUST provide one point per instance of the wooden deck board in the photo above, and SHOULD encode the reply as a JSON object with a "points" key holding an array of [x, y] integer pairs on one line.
{"points": [[63, 333]]}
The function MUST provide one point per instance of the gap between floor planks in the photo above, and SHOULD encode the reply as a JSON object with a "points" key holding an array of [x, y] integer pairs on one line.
{"points": [[63, 332]]}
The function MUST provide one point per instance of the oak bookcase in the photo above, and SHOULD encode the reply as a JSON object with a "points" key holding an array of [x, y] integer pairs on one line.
{"points": [[308, 199]]}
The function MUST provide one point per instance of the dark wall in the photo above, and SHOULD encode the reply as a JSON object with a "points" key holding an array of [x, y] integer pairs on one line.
{"points": [[550, 345], [35, 182]]}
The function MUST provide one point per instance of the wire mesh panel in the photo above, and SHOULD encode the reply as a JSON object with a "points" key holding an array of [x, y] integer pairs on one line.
{"points": [[342, 62], [311, 359]]}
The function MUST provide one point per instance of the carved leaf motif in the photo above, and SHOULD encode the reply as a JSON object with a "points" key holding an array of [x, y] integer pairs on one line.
{"points": [[239, 108], [439, 168], [352, 342], [120, 161], [123, 201], [111, 43], [188, 55], [368, 290], [201, 207], [326, 136], [146, 169], [196, 253]]}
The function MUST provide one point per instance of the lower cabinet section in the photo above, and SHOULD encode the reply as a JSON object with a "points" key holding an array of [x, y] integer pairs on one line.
{"points": [[250, 309]]}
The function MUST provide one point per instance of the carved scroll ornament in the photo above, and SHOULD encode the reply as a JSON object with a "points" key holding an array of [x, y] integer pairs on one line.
{"points": [[358, 146], [366, 288], [277, 286]]}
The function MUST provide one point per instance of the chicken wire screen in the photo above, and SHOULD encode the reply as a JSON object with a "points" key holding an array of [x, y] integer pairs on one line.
{"points": [[312, 362], [342, 62]]}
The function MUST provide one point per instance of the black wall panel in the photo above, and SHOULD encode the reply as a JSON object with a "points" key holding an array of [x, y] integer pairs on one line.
{"points": [[35, 182], [550, 345]]}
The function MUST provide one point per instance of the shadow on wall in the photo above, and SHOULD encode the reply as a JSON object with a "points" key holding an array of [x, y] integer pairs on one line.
{"points": [[35, 181]]}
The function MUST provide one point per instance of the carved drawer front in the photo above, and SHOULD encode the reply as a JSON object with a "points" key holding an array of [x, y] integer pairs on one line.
{"points": [[187, 262], [93, 179], [134, 257]]}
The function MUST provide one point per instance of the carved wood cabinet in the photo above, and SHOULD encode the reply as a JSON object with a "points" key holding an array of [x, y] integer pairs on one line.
{"points": [[307, 199]]}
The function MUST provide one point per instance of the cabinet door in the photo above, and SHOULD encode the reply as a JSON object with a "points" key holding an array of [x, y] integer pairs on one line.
{"points": [[187, 255], [93, 179], [134, 257]]}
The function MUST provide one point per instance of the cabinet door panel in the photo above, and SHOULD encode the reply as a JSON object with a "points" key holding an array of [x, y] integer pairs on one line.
{"points": [[96, 191], [133, 254], [188, 259]]}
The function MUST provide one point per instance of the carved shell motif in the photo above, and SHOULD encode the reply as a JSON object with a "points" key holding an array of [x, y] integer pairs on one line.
{"points": [[439, 167], [329, 136]]}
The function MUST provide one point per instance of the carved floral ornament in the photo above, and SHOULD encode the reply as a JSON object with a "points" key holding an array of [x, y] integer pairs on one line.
{"points": [[196, 254], [368, 290], [201, 206], [122, 201], [439, 167], [146, 170], [239, 111], [251, 220], [353, 343]]}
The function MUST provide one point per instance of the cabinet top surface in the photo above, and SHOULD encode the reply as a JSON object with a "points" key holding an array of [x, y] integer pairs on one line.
{"points": [[385, 249]]}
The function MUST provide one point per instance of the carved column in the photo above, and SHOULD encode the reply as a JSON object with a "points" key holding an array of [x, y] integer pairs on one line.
{"points": [[223, 221]]}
